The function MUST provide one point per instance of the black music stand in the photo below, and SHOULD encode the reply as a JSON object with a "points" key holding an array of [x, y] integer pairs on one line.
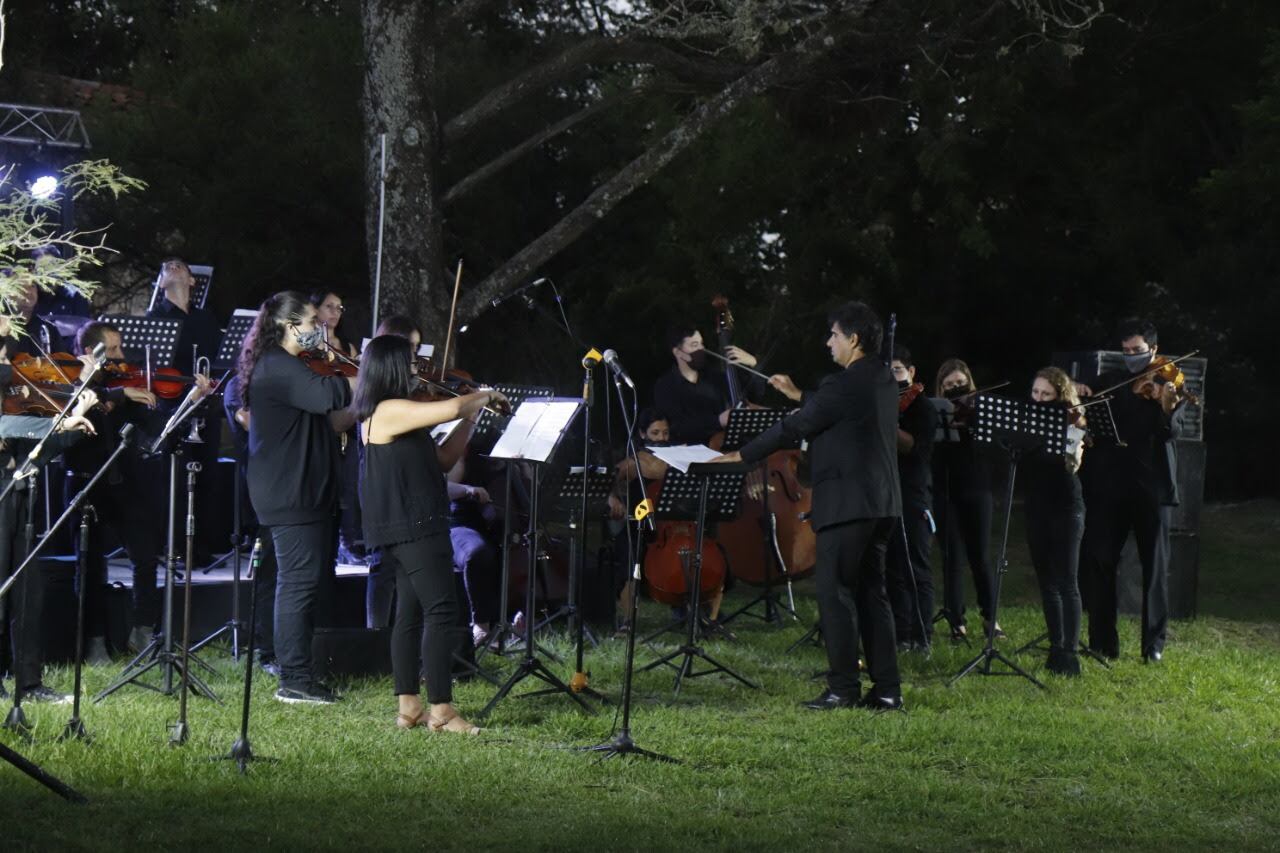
{"points": [[568, 499], [139, 333], [1018, 426], [744, 425], [242, 320], [715, 488], [489, 426], [533, 435]]}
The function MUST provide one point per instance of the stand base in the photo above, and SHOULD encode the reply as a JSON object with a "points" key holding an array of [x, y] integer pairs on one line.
{"points": [[1034, 645], [774, 608], [233, 628], [568, 612], [622, 744], [684, 669], [132, 674], [578, 684], [812, 637], [242, 754], [532, 667], [179, 733], [34, 770], [985, 659], [75, 730], [16, 721]]}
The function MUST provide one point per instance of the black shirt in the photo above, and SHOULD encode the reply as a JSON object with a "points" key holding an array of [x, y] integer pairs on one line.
{"points": [[1051, 487], [90, 454], [693, 408], [851, 424], [960, 470], [1146, 462], [38, 331], [19, 435], [402, 490], [293, 450], [199, 329], [920, 421]]}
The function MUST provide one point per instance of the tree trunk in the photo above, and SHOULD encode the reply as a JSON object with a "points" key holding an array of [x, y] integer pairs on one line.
{"points": [[399, 100]]}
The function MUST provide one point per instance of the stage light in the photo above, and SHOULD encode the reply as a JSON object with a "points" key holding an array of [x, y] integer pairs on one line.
{"points": [[44, 186]]}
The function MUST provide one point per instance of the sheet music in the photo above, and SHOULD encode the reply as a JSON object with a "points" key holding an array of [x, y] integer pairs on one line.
{"points": [[535, 428], [681, 456], [424, 350], [442, 432]]}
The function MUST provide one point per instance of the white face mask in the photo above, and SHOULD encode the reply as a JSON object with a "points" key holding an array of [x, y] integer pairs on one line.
{"points": [[309, 340], [1135, 362]]}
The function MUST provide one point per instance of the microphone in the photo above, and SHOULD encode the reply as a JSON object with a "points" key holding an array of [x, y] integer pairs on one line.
{"points": [[100, 352], [611, 359], [498, 300], [592, 358]]}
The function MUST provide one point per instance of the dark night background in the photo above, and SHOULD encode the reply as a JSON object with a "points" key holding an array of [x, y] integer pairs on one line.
{"points": [[1017, 205]]}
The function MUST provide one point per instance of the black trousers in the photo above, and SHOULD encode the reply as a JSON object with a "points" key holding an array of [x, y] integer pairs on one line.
{"points": [[118, 507], [1053, 535], [304, 586], [264, 587], [1112, 515], [852, 603], [910, 579], [964, 530], [23, 604], [426, 595]]}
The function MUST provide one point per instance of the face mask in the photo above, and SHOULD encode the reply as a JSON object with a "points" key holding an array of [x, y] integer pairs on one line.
{"points": [[309, 340], [903, 384], [954, 393], [657, 444], [698, 359], [1136, 362]]}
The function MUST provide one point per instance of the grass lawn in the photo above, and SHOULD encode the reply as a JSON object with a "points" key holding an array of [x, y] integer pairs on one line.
{"points": [[1185, 755]]}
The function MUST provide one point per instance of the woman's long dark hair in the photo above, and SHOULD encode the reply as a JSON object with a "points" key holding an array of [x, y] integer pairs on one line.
{"points": [[268, 331], [384, 374]]}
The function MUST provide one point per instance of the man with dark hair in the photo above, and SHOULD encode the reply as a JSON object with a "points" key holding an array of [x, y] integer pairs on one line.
{"points": [[910, 578], [851, 425], [38, 334], [697, 400], [1131, 488]]}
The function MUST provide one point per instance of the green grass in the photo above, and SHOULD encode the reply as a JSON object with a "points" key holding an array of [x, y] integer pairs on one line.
{"points": [[1180, 756]]}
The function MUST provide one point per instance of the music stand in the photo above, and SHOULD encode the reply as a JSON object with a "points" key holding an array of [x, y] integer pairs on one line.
{"points": [[1017, 426], [242, 320], [712, 488], [138, 333], [202, 274], [533, 435], [1102, 423], [744, 425], [489, 426], [568, 496]]}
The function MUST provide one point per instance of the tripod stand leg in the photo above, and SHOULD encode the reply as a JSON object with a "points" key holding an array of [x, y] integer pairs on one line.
{"points": [[34, 770], [1033, 644]]}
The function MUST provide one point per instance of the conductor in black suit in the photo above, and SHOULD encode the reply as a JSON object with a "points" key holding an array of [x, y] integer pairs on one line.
{"points": [[851, 423]]}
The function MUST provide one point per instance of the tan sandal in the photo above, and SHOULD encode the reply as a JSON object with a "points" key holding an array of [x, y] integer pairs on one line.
{"points": [[454, 724], [404, 721]]}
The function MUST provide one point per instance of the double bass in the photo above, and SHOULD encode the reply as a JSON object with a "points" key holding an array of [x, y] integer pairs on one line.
{"points": [[775, 505]]}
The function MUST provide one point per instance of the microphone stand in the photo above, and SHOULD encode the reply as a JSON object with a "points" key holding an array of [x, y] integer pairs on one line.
{"points": [[622, 743], [74, 729], [160, 651], [241, 751]]}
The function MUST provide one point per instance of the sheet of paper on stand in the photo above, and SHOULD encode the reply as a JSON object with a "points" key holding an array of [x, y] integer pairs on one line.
{"points": [[534, 429], [681, 456]]}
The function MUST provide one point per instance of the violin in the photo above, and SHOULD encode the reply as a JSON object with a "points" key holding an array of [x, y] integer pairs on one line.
{"points": [[908, 395], [1161, 372], [168, 383], [322, 365]]}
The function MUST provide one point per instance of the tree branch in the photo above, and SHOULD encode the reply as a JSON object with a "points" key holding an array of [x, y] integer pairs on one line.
{"points": [[636, 173], [488, 170], [463, 13]]}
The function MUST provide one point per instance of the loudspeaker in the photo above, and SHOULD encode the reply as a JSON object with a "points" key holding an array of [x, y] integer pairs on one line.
{"points": [[351, 652]]}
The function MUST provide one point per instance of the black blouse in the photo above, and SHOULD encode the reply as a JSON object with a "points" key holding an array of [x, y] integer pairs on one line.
{"points": [[402, 492]]}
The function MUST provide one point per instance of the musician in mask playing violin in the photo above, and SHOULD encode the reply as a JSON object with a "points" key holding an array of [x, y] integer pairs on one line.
{"points": [[1131, 488]]}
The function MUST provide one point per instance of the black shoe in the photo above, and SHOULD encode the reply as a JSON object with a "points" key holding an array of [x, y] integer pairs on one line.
{"points": [[1153, 656], [1062, 662], [44, 693], [315, 695], [828, 700], [1109, 654], [879, 704], [959, 634]]}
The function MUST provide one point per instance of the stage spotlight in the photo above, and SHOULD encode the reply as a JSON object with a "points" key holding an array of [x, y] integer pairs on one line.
{"points": [[44, 186]]}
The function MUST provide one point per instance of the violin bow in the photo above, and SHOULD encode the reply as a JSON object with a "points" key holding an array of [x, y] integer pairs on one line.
{"points": [[1146, 372], [453, 315]]}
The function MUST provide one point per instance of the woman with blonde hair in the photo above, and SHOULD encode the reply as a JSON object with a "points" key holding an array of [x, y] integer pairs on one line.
{"points": [[961, 504], [1055, 525]]}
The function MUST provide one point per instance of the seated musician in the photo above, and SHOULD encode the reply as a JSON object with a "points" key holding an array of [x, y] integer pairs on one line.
{"points": [[22, 607], [39, 335], [696, 399], [329, 311]]}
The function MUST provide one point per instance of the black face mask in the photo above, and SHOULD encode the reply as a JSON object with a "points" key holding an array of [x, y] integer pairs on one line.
{"points": [[903, 384], [657, 444], [698, 359], [955, 393]]}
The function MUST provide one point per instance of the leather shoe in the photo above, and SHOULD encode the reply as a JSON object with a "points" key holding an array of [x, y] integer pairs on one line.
{"points": [[879, 704], [828, 701]]}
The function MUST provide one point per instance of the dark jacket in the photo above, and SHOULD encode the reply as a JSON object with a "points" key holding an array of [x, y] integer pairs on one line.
{"points": [[293, 450], [1147, 462], [199, 330], [851, 423]]}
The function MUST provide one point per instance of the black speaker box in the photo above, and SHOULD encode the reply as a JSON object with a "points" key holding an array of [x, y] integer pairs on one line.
{"points": [[351, 652]]}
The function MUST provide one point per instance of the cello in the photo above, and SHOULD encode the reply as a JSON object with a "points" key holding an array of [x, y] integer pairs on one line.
{"points": [[775, 503]]}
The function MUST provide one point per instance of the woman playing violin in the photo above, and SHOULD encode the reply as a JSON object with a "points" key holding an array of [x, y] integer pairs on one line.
{"points": [[403, 491], [329, 311], [1055, 524], [962, 503]]}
